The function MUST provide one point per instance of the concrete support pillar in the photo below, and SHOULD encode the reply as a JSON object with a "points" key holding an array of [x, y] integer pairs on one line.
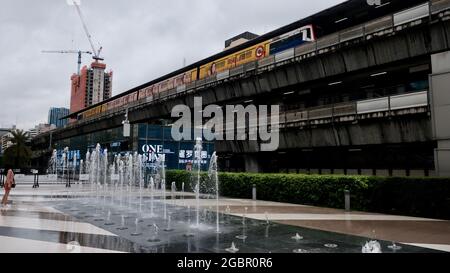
{"points": [[440, 110], [251, 164]]}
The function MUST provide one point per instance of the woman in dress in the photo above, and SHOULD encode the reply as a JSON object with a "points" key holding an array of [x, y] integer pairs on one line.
{"points": [[8, 185]]}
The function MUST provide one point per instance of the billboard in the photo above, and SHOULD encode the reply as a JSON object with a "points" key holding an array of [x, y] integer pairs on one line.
{"points": [[178, 154], [70, 158]]}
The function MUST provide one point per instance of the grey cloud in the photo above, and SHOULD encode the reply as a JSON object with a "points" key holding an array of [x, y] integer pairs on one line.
{"points": [[142, 40]]}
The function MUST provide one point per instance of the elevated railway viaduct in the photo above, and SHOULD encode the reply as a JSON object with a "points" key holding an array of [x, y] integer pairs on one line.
{"points": [[354, 101]]}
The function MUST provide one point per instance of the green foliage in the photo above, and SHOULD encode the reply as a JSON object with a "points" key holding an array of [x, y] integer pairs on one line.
{"points": [[19, 154], [424, 197]]}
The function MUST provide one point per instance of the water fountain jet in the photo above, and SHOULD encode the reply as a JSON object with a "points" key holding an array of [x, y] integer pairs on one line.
{"points": [[232, 249]]}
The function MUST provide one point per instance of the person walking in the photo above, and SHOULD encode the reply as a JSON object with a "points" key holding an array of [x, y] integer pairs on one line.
{"points": [[9, 184]]}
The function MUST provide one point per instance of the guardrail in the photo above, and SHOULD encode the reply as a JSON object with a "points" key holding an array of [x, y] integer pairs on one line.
{"points": [[363, 107], [379, 105], [353, 109]]}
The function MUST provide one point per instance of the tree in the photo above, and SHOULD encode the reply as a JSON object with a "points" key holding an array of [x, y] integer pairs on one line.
{"points": [[18, 154]]}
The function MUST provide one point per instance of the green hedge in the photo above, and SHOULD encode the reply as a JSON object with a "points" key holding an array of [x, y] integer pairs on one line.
{"points": [[422, 197]]}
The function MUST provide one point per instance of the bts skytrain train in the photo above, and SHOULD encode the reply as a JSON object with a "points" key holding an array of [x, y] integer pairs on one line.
{"points": [[256, 52], [279, 45]]}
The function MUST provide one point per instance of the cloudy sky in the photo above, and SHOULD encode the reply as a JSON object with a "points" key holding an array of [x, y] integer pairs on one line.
{"points": [[141, 39]]}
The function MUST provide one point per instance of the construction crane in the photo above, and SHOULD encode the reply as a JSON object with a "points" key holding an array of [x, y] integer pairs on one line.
{"points": [[79, 52], [96, 53]]}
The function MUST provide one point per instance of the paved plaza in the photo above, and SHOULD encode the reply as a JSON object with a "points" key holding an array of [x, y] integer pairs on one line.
{"points": [[32, 224]]}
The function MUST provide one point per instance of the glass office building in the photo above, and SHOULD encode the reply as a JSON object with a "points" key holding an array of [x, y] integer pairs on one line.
{"points": [[55, 116], [148, 140]]}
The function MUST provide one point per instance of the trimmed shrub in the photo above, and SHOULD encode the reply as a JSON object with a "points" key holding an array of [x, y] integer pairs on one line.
{"points": [[423, 197]]}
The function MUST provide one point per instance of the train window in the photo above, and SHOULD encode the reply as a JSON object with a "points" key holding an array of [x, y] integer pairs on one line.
{"points": [[241, 57], [308, 35], [220, 64], [286, 43], [180, 80]]}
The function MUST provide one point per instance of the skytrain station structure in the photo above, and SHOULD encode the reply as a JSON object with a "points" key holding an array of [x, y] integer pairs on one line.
{"points": [[362, 90], [327, 135]]}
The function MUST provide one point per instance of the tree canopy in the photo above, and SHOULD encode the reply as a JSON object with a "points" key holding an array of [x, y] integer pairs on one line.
{"points": [[18, 154]]}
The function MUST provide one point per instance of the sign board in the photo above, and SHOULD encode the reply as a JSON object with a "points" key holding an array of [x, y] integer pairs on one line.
{"points": [[114, 177], [84, 177], [177, 154], [126, 129]]}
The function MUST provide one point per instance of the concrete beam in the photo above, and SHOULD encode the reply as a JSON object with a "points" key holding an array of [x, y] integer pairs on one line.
{"points": [[382, 50], [440, 109]]}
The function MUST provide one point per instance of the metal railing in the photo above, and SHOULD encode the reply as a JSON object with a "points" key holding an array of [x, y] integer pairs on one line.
{"points": [[379, 105], [385, 105]]}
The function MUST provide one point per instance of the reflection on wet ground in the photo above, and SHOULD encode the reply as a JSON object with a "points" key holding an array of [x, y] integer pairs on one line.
{"points": [[52, 217], [37, 214], [260, 236]]}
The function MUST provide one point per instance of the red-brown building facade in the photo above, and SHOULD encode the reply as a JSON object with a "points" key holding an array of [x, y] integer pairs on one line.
{"points": [[92, 86]]}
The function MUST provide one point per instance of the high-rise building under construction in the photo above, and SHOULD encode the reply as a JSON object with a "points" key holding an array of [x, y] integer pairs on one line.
{"points": [[91, 86]]}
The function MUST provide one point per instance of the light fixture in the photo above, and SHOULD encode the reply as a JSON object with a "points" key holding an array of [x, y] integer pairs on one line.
{"points": [[382, 5], [335, 83], [341, 20], [289, 93], [378, 74], [248, 101]]}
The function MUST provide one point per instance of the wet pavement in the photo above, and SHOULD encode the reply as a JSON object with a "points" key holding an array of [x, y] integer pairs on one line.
{"points": [[52, 219]]}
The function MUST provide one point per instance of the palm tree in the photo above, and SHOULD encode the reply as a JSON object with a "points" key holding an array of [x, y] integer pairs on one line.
{"points": [[18, 154]]}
